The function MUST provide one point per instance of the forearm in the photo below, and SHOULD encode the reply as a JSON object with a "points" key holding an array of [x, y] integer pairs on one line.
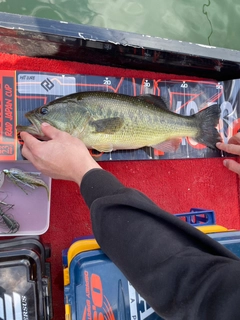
{"points": [[171, 264]]}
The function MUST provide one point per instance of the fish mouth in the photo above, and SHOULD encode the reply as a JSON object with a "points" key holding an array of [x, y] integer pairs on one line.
{"points": [[34, 128]]}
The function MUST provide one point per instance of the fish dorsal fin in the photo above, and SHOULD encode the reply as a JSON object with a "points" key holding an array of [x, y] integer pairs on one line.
{"points": [[108, 126], [160, 102]]}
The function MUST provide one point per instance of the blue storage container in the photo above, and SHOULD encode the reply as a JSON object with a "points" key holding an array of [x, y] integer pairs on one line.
{"points": [[94, 288]]}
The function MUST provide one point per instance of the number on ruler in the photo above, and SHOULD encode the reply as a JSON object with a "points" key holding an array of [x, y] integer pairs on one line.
{"points": [[107, 82]]}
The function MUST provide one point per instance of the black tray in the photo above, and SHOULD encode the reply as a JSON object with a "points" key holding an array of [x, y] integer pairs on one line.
{"points": [[25, 283]]}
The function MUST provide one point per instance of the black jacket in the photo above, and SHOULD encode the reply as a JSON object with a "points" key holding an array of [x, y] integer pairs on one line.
{"points": [[181, 272]]}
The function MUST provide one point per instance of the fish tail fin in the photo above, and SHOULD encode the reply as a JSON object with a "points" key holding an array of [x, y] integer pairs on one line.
{"points": [[207, 120]]}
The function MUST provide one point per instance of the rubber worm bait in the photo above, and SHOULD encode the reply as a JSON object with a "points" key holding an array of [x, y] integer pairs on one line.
{"points": [[7, 220]]}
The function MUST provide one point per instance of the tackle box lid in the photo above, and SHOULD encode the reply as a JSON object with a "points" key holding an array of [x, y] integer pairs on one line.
{"points": [[31, 243], [229, 239], [95, 288], [25, 285]]}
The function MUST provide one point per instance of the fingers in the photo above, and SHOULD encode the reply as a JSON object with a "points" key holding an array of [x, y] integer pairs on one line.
{"points": [[233, 147], [28, 138], [27, 154], [49, 131], [235, 139], [29, 143], [229, 148], [232, 165]]}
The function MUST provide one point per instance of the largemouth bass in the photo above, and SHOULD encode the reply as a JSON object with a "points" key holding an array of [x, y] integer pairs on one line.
{"points": [[107, 121]]}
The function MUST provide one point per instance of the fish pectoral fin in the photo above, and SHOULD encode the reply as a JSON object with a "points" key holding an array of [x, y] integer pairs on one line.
{"points": [[108, 126], [168, 145], [103, 147]]}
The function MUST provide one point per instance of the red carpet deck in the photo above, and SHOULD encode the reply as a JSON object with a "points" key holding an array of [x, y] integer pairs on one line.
{"points": [[175, 185]]}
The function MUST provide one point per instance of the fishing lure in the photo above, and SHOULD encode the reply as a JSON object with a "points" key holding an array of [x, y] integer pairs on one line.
{"points": [[7, 220], [23, 179]]}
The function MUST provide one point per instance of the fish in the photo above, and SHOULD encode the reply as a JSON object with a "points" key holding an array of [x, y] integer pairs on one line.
{"points": [[24, 179], [107, 121]]}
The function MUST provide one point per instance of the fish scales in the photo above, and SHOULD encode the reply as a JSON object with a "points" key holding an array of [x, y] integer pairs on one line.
{"points": [[143, 125], [108, 121]]}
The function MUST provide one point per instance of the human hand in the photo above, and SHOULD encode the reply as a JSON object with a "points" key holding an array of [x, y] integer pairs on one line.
{"points": [[233, 147], [61, 157]]}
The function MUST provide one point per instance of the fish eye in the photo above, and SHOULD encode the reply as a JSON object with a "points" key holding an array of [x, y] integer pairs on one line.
{"points": [[44, 110]]}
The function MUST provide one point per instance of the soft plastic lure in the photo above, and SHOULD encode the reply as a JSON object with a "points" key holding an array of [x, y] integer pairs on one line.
{"points": [[7, 220], [23, 179]]}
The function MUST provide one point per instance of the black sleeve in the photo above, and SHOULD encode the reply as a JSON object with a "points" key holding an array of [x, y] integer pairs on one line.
{"points": [[181, 272]]}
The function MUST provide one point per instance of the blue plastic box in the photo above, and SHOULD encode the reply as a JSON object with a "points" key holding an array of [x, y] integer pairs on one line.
{"points": [[94, 288]]}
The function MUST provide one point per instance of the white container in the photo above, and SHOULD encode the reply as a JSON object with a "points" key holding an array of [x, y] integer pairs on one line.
{"points": [[31, 210]]}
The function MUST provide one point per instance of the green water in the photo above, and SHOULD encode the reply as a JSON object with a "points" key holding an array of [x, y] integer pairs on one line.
{"points": [[208, 22]]}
